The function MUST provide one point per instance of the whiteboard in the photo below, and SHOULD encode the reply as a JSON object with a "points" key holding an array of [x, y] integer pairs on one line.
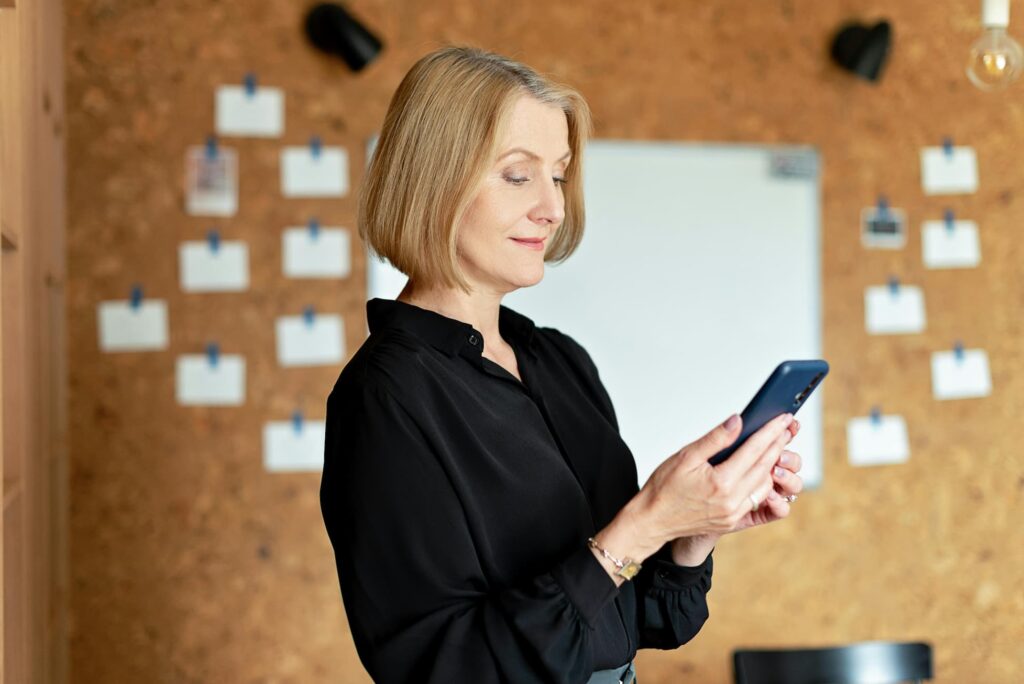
{"points": [[699, 272]]}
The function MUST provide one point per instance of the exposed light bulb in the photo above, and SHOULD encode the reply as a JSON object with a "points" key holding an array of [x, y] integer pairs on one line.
{"points": [[995, 59]]}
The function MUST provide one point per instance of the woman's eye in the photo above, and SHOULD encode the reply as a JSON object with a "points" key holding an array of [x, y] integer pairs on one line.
{"points": [[558, 181], [516, 180]]}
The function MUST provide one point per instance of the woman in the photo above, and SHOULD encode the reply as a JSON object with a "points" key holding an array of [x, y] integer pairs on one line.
{"points": [[484, 512]]}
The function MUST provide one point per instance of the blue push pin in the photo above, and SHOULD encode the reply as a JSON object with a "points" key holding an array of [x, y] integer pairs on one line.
{"points": [[314, 228], [876, 416], [958, 351], [250, 84], [314, 146], [213, 353], [894, 286], [947, 147], [949, 217], [211, 147], [883, 207], [136, 297], [213, 237], [308, 314], [297, 421]]}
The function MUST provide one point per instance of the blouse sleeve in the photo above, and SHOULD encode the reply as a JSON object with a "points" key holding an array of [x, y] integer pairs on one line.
{"points": [[418, 604], [671, 599]]}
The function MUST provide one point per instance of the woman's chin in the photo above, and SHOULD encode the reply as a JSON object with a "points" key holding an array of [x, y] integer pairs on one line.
{"points": [[531, 278]]}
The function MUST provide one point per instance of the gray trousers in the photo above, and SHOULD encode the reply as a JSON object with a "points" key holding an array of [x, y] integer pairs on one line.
{"points": [[620, 675]]}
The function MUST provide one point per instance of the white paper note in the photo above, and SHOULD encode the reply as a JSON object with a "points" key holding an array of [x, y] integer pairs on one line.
{"points": [[325, 255], [953, 173], [320, 343], [201, 383], [123, 328], [304, 174], [211, 183], [956, 247], [887, 312], [961, 378], [870, 442], [287, 449], [259, 115], [203, 269]]}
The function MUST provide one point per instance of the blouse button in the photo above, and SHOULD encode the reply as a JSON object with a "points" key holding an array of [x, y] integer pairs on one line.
{"points": [[473, 340]]}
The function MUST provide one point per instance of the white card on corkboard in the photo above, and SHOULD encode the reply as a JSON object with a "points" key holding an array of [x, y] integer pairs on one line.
{"points": [[877, 440], [202, 381], [894, 309], [961, 374], [288, 447], [310, 340], [132, 326], [314, 171], [950, 244], [206, 268], [949, 170], [315, 252], [251, 112]]}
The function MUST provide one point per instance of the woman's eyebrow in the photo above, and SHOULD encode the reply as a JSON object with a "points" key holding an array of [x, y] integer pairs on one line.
{"points": [[531, 155]]}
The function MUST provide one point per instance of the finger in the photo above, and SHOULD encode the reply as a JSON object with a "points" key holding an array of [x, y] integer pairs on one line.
{"points": [[789, 484], [790, 460], [772, 454], [778, 507], [717, 439], [762, 494], [794, 427], [761, 471], [747, 455], [759, 474]]}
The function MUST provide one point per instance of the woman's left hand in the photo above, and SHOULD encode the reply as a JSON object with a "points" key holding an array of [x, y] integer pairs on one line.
{"points": [[691, 551]]}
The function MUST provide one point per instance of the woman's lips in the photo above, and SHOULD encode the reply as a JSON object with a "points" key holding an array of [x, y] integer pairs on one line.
{"points": [[530, 243]]}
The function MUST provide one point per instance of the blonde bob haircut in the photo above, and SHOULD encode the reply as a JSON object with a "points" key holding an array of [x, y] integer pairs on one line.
{"points": [[440, 136]]}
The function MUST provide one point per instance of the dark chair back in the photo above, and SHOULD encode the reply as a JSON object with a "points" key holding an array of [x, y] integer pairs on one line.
{"points": [[873, 662]]}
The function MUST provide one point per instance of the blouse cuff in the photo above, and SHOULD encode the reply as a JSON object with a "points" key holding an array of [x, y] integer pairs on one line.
{"points": [[667, 575], [586, 583]]}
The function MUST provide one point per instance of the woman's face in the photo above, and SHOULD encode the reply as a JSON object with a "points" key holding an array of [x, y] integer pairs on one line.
{"points": [[506, 230]]}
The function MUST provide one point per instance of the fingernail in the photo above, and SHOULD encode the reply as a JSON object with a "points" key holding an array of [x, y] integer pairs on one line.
{"points": [[779, 472], [732, 422], [785, 458]]}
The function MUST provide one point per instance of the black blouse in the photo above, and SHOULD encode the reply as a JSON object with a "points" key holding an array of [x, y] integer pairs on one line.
{"points": [[459, 500]]}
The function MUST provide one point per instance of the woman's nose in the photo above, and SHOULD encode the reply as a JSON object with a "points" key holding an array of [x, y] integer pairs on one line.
{"points": [[550, 204]]}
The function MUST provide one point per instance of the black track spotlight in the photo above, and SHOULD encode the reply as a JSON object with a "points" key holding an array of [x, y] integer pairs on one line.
{"points": [[333, 30], [862, 49]]}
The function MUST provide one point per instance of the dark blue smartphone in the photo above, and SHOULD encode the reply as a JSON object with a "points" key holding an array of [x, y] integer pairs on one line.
{"points": [[785, 391]]}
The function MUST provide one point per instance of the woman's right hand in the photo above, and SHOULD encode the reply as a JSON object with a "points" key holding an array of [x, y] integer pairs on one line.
{"points": [[688, 497]]}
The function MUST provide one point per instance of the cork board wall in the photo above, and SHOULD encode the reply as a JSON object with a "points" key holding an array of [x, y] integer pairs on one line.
{"points": [[191, 563]]}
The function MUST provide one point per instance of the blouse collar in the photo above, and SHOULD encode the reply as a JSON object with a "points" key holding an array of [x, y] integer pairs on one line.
{"points": [[447, 334]]}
